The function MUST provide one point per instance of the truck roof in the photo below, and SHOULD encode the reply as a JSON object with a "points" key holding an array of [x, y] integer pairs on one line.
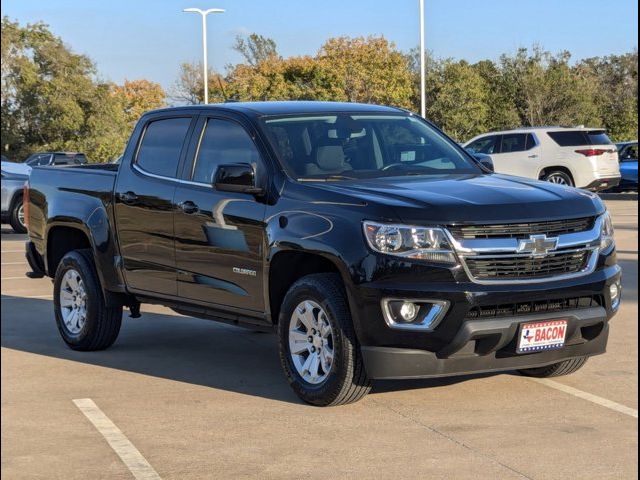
{"points": [[291, 107]]}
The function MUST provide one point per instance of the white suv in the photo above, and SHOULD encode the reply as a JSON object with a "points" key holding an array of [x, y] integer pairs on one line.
{"points": [[580, 157]]}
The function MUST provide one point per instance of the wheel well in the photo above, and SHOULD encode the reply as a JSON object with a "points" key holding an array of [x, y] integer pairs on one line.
{"points": [[546, 170], [288, 267], [60, 241], [16, 196]]}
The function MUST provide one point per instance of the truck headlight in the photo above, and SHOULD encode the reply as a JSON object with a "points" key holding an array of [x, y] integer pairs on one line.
{"points": [[423, 243], [606, 233]]}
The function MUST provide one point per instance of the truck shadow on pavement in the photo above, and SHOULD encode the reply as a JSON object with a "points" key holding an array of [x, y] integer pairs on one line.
{"points": [[181, 349]]}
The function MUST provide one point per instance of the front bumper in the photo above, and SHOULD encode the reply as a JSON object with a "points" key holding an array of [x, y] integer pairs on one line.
{"points": [[462, 343], [485, 346]]}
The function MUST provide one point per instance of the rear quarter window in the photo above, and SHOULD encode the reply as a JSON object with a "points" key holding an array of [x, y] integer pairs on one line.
{"points": [[579, 138]]}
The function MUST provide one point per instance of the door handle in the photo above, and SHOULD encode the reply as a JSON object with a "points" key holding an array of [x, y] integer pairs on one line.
{"points": [[129, 198], [188, 207], [533, 156]]}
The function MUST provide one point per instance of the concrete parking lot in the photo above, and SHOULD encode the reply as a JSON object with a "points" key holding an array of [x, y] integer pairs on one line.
{"points": [[181, 398]]}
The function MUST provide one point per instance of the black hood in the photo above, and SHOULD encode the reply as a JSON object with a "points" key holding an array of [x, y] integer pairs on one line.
{"points": [[471, 198]]}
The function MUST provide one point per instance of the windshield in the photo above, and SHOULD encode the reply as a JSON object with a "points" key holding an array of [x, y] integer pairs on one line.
{"points": [[349, 146]]}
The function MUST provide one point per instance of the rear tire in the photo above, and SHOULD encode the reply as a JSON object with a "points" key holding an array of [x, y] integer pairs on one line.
{"points": [[338, 377], [16, 216], [559, 177], [557, 369], [84, 321]]}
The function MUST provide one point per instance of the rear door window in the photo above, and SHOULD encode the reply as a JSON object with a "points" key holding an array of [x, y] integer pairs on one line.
{"points": [[579, 138], [62, 159], [515, 142], [161, 146], [531, 141]]}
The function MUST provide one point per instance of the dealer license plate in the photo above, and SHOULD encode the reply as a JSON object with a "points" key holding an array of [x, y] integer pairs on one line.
{"points": [[540, 336]]}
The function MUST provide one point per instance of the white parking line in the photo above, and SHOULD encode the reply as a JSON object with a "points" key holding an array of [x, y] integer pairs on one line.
{"points": [[12, 251], [128, 453], [26, 296], [603, 402], [14, 278], [12, 263]]}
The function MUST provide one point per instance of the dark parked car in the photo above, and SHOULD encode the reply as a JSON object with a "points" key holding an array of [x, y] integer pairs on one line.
{"points": [[375, 246], [56, 158]]}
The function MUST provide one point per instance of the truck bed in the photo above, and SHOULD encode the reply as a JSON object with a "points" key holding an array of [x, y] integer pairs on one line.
{"points": [[57, 194]]}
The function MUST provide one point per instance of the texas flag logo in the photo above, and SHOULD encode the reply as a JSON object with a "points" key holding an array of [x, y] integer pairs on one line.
{"points": [[527, 336]]}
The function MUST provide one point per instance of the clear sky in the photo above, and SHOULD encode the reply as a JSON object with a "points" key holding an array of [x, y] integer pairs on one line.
{"points": [[150, 38]]}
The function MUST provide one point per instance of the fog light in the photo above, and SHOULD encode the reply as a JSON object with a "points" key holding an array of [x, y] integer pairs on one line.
{"points": [[414, 314], [615, 290], [409, 311]]}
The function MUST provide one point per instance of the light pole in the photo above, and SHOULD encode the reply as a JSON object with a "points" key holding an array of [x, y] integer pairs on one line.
{"points": [[203, 14], [423, 67]]}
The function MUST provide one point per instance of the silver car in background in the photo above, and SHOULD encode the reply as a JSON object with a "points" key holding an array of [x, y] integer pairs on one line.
{"points": [[12, 206]]}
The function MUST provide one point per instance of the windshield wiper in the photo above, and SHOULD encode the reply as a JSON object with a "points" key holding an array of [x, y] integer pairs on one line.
{"points": [[328, 178]]}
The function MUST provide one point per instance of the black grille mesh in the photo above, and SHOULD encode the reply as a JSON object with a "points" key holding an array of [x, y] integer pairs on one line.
{"points": [[523, 230], [526, 308], [527, 267]]}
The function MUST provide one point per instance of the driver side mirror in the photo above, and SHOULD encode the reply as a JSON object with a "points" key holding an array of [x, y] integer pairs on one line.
{"points": [[487, 163], [481, 159], [238, 178]]}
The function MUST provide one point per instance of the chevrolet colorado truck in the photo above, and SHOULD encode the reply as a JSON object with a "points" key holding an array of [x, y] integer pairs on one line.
{"points": [[374, 245]]}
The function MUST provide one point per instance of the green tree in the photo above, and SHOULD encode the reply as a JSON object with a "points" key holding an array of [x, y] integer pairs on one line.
{"points": [[369, 70], [46, 90], [138, 97], [256, 48], [615, 78], [545, 89], [295, 78], [188, 88], [503, 113], [107, 125], [460, 101], [52, 101]]}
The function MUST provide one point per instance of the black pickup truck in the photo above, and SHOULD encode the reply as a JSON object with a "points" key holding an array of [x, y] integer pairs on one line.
{"points": [[374, 245]]}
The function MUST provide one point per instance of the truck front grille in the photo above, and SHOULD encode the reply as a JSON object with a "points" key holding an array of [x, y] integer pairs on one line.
{"points": [[527, 267], [526, 308], [522, 230]]}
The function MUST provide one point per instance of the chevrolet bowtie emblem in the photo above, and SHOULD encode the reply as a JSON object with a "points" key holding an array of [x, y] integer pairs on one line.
{"points": [[538, 245]]}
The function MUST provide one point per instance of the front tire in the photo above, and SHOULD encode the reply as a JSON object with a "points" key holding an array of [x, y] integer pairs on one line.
{"points": [[559, 177], [319, 351], [84, 321], [557, 369], [16, 216]]}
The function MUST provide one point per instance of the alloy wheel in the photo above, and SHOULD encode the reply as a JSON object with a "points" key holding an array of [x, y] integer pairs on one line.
{"points": [[20, 215], [311, 342], [73, 302], [558, 179]]}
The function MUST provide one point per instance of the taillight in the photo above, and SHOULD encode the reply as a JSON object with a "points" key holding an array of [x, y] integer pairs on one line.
{"points": [[25, 203], [593, 152]]}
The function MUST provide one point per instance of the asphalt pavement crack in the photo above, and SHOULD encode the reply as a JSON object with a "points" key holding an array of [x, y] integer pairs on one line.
{"points": [[452, 439]]}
